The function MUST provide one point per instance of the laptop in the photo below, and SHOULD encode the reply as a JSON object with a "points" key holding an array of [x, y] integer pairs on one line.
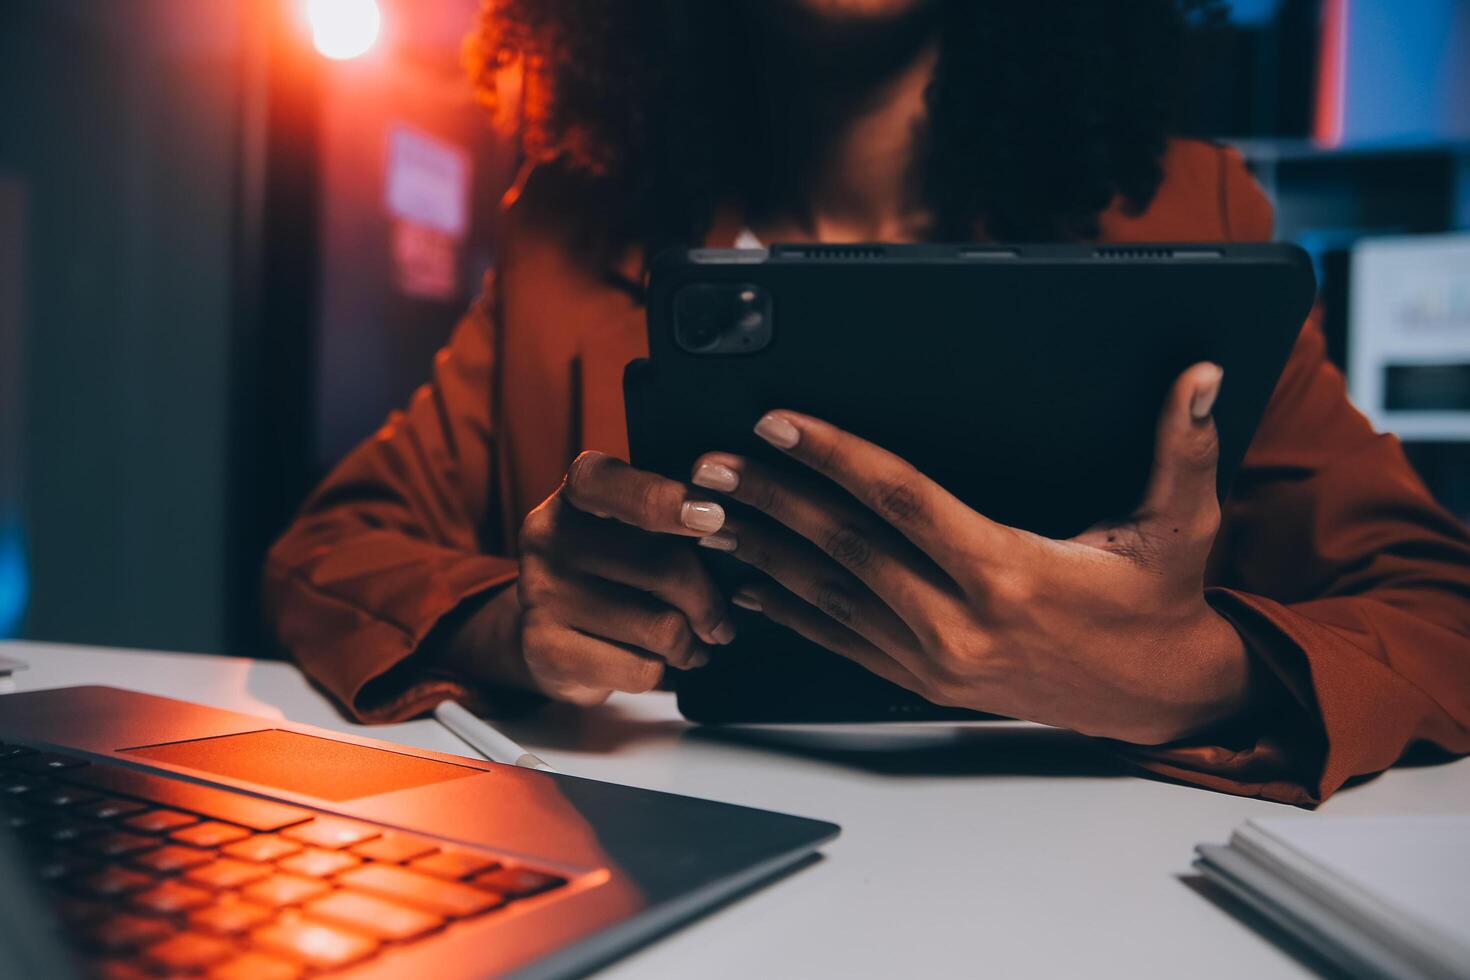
{"points": [[141, 835]]}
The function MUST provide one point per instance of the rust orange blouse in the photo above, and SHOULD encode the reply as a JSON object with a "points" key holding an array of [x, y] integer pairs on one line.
{"points": [[1343, 575]]}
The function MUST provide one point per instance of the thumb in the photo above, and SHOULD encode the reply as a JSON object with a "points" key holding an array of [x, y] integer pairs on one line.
{"points": [[1181, 488]]}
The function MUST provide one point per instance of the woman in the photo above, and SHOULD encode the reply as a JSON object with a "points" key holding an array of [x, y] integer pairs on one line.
{"points": [[490, 540]]}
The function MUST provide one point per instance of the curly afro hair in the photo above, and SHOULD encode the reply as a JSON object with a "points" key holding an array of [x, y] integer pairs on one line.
{"points": [[1041, 112]]}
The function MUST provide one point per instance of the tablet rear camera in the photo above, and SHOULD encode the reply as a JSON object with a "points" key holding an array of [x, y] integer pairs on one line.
{"points": [[699, 331], [722, 318]]}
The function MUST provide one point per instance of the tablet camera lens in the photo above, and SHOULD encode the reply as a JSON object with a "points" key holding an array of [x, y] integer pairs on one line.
{"points": [[722, 318], [699, 333]]}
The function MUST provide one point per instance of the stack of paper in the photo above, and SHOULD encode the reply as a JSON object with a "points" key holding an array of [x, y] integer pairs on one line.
{"points": [[1379, 896]]}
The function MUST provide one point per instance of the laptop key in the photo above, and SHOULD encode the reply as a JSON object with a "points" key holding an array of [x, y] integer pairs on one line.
{"points": [[169, 897], [60, 795], [171, 858], [64, 831], [62, 864], [317, 863], [113, 969], [316, 944], [230, 916], [518, 882], [19, 784], [110, 808], [374, 916], [331, 833], [227, 873], [189, 951], [263, 848], [281, 890], [395, 848], [454, 863], [211, 833], [78, 912], [17, 819], [256, 966], [447, 898], [159, 821], [118, 933], [112, 882], [45, 762], [119, 843]]}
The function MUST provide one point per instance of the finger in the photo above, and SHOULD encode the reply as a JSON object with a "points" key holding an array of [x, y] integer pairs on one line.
{"points": [[605, 486], [811, 576], [665, 568], [781, 606], [942, 527], [897, 572], [566, 660], [632, 618], [1181, 495]]}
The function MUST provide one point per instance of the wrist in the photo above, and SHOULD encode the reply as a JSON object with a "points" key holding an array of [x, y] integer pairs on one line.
{"points": [[485, 648], [1220, 675]]}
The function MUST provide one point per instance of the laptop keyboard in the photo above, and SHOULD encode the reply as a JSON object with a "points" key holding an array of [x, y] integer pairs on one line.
{"points": [[152, 875]]}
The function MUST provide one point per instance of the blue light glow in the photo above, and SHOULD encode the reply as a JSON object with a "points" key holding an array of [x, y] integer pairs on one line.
{"points": [[14, 581], [1253, 12]]}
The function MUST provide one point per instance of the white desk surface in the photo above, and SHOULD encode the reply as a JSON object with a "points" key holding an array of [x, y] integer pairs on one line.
{"points": [[1007, 850]]}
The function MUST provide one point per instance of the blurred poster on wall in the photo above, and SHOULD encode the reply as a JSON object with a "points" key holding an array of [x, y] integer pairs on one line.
{"points": [[1409, 334], [425, 261], [428, 193], [428, 181]]}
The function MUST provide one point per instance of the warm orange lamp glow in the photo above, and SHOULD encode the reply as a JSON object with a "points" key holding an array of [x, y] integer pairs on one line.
{"points": [[343, 29]]}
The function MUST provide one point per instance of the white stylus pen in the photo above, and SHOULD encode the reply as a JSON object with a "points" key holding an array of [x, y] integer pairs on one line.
{"points": [[479, 735]]}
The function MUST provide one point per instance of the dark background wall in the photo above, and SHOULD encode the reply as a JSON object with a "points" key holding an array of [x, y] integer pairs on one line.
{"points": [[198, 311], [119, 133]]}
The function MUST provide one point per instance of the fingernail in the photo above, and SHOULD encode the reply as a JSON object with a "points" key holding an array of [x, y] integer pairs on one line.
{"points": [[719, 542], [746, 601], [700, 515], [723, 633], [777, 431], [1204, 399], [714, 476], [698, 659]]}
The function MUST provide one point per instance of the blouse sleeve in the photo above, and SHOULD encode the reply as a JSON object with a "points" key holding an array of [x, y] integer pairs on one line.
{"points": [[1350, 585], [397, 537]]}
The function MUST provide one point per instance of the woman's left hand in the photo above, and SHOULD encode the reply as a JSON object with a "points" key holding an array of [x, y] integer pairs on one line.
{"points": [[1107, 633]]}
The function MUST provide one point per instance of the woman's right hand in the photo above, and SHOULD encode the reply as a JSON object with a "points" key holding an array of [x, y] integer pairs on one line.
{"points": [[611, 590]]}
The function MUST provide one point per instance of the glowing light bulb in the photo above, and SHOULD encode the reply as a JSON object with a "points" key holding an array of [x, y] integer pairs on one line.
{"points": [[343, 29]]}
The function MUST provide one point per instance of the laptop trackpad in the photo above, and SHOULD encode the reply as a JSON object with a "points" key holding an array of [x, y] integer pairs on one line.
{"points": [[306, 764]]}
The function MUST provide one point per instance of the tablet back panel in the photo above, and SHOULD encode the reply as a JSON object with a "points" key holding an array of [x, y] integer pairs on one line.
{"points": [[1025, 379]]}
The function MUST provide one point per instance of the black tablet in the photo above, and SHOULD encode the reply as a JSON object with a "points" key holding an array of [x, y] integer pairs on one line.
{"points": [[1026, 379]]}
